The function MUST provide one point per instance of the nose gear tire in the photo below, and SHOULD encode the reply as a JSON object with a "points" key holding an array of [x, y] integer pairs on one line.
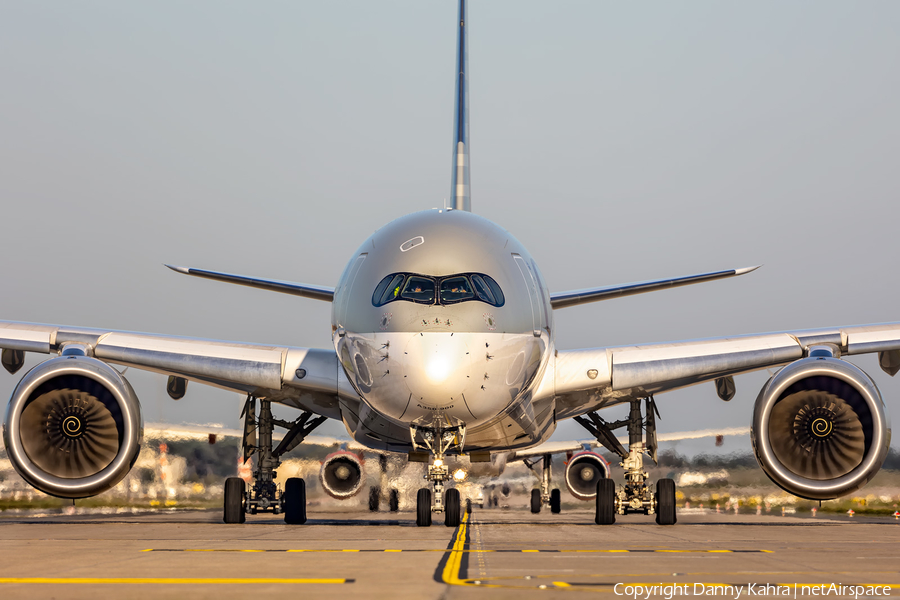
{"points": [[234, 500], [535, 501], [295, 501], [451, 508], [606, 502], [423, 508]]}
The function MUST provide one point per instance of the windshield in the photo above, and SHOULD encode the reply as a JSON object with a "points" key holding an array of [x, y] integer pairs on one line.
{"points": [[452, 289], [455, 289], [418, 289]]}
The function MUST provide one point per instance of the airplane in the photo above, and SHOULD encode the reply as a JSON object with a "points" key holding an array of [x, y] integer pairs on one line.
{"points": [[444, 345]]}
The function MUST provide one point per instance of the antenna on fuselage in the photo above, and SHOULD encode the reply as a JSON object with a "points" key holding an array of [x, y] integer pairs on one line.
{"points": [[459, 178]]}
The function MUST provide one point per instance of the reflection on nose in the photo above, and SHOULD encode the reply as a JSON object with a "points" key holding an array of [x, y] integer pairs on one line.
{"points": [[437, 367]]}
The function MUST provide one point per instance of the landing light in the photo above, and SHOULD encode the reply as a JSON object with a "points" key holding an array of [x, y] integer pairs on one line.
{"points": [[459, 475], [438, 462]]}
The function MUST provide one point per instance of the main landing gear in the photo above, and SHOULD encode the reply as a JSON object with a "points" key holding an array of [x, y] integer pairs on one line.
{"points": [[637, 495], [544, 495], [439, 438], [264, 495], [375, 492]]}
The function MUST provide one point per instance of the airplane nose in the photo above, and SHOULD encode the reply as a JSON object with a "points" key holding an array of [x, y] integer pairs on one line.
{"points": [[437, 368]]}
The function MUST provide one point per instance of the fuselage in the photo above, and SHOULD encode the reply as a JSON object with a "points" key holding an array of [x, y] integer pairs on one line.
{"points": [[442, 314]]}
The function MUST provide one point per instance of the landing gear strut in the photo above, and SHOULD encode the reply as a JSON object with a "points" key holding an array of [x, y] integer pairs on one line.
{"points": [[439, 438], [545, 495], [637, 495], [264, 495]]}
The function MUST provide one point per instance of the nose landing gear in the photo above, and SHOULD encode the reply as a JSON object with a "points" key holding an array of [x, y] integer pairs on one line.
{"points": [[438, 438]]}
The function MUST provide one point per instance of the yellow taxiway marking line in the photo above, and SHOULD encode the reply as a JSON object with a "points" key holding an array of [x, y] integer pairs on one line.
{"points": [[454, 561], [164, 580], [442, 550]]}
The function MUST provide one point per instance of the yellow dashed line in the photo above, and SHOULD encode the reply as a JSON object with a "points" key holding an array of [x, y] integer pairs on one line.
{"points": [[160, 580]]}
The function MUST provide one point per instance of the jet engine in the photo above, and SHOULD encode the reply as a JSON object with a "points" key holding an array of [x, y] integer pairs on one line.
{"points": [[73, 427], [342, 474], [583, 472], [820, 430]]}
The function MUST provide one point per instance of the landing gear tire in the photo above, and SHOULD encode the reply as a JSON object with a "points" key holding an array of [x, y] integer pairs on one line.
{"points": [[234, 500], [295, 501], [394, 501], [665, 502], [374, 498], [606, 502], [423, 508], [451, 508], [555, 501], [535, 501], [468, 506]]}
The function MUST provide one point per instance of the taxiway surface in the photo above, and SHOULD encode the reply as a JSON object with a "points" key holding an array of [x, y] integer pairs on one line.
{"points": [[494, 554]]}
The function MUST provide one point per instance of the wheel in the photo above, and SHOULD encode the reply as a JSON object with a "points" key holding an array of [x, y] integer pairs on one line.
{"points": [[374, 498], [535, 501], [555, 501], [469, 506], [295, 501], [665, 502], [451, 508], [606, 502], [234, 500], [394, 501], [423, 508]]}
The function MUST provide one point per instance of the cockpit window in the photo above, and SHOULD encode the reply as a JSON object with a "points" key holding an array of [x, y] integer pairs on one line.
{"points": [[418, 289], [452, 289], [455, 289], [482, 290], [388, 289]]}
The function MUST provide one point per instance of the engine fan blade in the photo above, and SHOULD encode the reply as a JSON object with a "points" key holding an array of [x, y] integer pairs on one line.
{"points": [[70, 433], [817, 435]]}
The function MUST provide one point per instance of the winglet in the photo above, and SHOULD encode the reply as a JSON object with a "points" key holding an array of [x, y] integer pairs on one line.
{"points": [[746, 270], [184, 270]]}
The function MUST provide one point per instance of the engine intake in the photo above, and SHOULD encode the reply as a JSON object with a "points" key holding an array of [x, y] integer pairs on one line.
{"points": [[820, 430], [73, 427], [341, 474], [583, 472]]}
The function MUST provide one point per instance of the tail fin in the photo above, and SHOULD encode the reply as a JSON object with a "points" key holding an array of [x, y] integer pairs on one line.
{"points": [[459, 179]]}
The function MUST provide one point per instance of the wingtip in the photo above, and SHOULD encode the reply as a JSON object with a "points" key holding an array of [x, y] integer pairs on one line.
{"points": [[746, 270], [177, 269]]}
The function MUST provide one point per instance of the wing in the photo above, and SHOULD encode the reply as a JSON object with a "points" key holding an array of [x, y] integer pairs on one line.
{"points": [[309, 379], [316, 292], [578, 445], [186, 431], [589, 379], [564, 299]]}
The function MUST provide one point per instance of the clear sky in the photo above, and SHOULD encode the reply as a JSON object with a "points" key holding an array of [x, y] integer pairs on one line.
{"points": [[618, 141]]}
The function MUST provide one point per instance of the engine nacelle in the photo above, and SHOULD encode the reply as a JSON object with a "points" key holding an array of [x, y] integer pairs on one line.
{"points": [[583, 472], [342, 474], [820, 430], [73, 427]]}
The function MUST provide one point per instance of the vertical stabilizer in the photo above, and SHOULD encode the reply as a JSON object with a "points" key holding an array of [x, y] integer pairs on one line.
{"points": [[459, 179]]}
